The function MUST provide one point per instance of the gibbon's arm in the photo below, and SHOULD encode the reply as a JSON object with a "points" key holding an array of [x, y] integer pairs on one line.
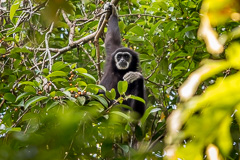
{"points": [[113, 37]]}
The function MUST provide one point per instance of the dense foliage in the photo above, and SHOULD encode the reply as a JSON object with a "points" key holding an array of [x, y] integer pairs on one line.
{"points": [[52, 57]]}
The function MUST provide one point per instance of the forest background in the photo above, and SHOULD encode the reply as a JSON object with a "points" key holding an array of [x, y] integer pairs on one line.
{"points": [[52, 57]]}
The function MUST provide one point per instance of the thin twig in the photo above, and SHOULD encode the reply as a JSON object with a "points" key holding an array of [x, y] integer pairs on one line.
{"points": [[71, 28], [89, 20], [19, 118], [142, 15], [47, 48], [91, 59], [154, 70], [2, 103], [63, 50]]}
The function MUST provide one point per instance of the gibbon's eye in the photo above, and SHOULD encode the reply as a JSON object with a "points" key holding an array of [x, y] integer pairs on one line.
{"points": [[119, 56], [126, 57]]}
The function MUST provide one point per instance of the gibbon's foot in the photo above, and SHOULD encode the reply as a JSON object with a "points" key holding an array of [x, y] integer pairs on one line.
{"points": [[132, 76]]}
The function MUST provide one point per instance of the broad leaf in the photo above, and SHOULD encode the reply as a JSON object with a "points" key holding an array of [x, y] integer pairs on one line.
{"points": [[34, 100], [122, 87], [100, 99], [137, 98], [14, 8], [9, 97], [58, 66], [57, 74]]}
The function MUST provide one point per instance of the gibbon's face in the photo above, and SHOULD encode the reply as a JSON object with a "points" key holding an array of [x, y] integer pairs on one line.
{"points": [[123, 60]]}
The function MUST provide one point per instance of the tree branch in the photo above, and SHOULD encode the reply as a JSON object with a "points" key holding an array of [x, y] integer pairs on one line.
{"points": [[47, 48], [154, 70], [63, 50], [141, 15], [71, 28]]}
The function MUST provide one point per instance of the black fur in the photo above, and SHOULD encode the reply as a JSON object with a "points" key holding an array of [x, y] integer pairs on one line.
{"points": [[112, 75]]}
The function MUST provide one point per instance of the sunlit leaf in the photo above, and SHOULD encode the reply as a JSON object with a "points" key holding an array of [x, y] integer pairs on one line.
{"points": [[28, 83], [122, 87], [14, 8], [89, 76], [81, 70], [148, 112], [121, 114], [111, 94], [100, 99], [2, 50], [137, 30], [154, 27], [57, 74], [23, 95], [34, 100], [58, 66], [52, 105], [137, 98]]}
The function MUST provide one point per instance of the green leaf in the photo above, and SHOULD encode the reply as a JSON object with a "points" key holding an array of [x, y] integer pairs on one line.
{"points": [[100, 99], [121, 114], [163, 5], [14, 8], [148, 112], [186, 30], [139, 133], [154, 27], [137, 30], [136, 39], [89, 76], [67, 93], [9, 97], [111, 94], [2, 50], [58, 66], [122, 87], [73, 65], [82, 84], [101, 87], [163, 66], [53, 93], [81, 100], [123, 106], [18, 50], [233, 54], [23, 95], [28, 83], [75, 89], [125, 148], [34, 100], [81, 70], [168, 27], [225, 144], [59, 80], [57, 73], [29, 89], [52, 105], [137, 98], [17, 129]]}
